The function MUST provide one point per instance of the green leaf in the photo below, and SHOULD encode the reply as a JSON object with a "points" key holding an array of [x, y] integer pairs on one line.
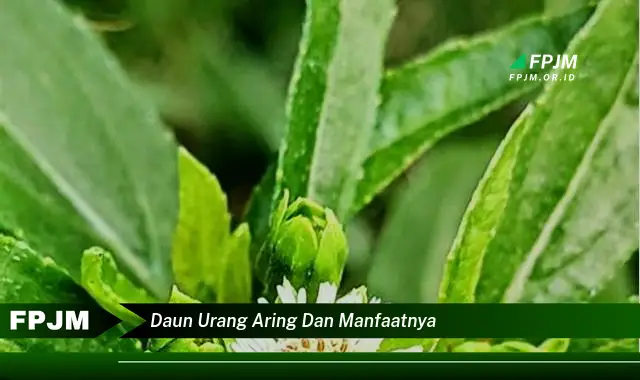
{"points": [[549, 345], [258, 210], [555, 345], [110, 288], [456, 85], [562, 6], [394, 344], [619, 345], [9, 346], [514, 346], [191, 345], [619, 288], [210, 263], [167, 344], [235, 281], [553, 205], [27, 277], [332, 253], [202, 231], [332, 100], [586, 248], [84, 161], [423, 218], [264, 258], [604, 345], [464, 263], [408, 108], [473, 347]]}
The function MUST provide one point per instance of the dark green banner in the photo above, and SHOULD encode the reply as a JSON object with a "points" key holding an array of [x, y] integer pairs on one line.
{"points": [[319, 365], [387, 320], [508, 321]]}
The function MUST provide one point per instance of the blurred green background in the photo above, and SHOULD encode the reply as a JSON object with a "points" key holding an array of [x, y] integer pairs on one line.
{"points": [[218, 71]]}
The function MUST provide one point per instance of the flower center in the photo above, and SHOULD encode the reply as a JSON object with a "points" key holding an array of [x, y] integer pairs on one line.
{"points": [[314, 345]]}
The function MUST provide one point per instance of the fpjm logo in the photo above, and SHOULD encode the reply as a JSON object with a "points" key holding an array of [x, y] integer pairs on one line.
{"points": [[544, 62], [53, 320], [67, 320]]}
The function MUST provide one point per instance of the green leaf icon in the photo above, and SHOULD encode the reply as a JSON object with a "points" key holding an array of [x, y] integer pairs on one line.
{"points": [[520, 63]]}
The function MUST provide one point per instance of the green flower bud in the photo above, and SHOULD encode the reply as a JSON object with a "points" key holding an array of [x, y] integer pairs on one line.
{"points": [[306, 244]]}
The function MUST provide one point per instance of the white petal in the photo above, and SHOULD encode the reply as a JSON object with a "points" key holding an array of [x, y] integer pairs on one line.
{"points": [[368, 344], [262, 300], [358, 295], [375, 300], [253, 345], [286, 293], [327, 293], [410, 349], [241, 345], [236, 347], [302, 296], [266, 345]]}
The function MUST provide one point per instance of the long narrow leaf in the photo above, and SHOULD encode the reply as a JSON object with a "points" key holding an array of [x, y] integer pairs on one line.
{"points": [[83, 160], [452, 87], [332, 100], [550, 212]]}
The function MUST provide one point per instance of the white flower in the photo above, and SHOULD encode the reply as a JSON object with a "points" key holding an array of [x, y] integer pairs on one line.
{"points": [[326, 294]]}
